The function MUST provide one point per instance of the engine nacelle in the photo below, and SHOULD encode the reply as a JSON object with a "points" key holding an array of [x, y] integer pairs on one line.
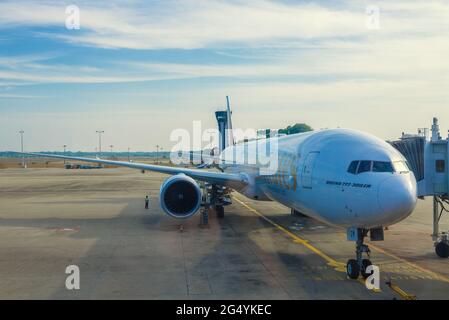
{"points": [[180, 196]]}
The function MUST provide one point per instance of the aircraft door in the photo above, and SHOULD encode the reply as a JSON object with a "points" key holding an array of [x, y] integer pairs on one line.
{"points": [[307, 170]]}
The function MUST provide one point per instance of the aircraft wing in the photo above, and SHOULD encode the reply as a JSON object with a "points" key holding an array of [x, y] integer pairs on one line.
{"points": [[233, 180]]}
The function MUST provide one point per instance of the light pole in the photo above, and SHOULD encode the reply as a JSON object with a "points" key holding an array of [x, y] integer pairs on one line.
{"points": [[157, 153], [65, 146], [111, 146], [100, 132], [21, 147], [128, 154]]}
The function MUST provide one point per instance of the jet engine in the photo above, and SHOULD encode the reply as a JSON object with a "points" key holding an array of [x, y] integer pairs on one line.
{"points": [[180, 196]]}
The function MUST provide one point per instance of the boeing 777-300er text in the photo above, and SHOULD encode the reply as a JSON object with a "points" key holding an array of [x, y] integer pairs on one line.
{"points": [[341, 177]]}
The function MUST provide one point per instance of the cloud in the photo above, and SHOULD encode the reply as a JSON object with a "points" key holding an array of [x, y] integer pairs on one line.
{"points": [[18, 60], [74, 78], [191, 24], [407, 58], [312, 62], [310, 40], [186, 24], [404, 58], [18, 96]]}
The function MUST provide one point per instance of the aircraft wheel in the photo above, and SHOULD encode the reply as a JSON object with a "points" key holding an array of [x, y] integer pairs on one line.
{"points": [[220, 211], [365, 264], [442, 249], [352, 269]]}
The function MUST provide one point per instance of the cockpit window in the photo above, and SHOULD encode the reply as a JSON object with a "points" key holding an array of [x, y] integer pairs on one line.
{"points": [[401, 166], [360, 166], [382, 166], [364, 166], [353, 167]]}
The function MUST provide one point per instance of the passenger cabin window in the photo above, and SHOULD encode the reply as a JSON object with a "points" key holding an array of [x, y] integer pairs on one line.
{"points": [[364, 166]]}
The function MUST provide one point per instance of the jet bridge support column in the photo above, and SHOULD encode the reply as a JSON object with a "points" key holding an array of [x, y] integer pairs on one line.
{"points": [[441, 239], [436, 218], [428, 158], [437, 184]]}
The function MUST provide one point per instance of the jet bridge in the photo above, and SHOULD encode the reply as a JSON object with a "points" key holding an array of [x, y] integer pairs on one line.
{"points": [[428, 157]]}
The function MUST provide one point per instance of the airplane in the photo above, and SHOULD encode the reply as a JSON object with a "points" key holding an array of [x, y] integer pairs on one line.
{"points": [[341, 177]]}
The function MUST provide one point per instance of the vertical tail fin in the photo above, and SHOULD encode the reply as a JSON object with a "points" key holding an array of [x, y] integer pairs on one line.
{"points": [[230, 135], [225, 127]]}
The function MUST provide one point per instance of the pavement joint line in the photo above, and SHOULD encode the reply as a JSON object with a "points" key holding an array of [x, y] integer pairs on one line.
{"points": [[433, 274], [338, 266]]}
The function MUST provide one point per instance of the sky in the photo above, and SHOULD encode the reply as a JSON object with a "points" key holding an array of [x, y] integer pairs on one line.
{"points": [[140, 69]]}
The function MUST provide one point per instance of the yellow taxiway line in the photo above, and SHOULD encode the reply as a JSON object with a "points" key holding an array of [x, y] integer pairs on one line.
{"points": [[339, 266], [331, 262], [400, 292]]}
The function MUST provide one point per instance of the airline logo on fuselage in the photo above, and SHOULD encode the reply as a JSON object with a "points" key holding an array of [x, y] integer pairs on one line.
{"points": [[286, 174]]}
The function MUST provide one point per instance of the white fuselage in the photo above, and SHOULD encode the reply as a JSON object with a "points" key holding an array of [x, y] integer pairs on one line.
{"points": [[314, 177]]}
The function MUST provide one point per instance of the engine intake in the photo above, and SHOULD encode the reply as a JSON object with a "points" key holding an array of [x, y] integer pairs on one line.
{"points": [[180, 196]]}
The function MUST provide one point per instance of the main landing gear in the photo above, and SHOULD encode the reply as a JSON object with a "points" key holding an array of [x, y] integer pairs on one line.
{"points": [[359, 265], [214, 197]]}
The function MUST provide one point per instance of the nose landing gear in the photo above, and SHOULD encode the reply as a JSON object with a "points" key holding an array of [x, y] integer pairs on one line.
{"points": [[355, 267]]}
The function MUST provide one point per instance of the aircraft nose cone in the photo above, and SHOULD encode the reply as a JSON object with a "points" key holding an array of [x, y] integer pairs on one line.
{"points": [[397, 197]]}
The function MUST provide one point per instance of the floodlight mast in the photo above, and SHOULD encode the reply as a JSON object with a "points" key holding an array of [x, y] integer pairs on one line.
{"points": [[21, 147], [100, 132]]}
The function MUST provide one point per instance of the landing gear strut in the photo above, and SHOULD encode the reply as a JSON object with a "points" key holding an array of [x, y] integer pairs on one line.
{"points": [[220, 211], [214, 197], [355, 267], [205, 207], [217, 200]]}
